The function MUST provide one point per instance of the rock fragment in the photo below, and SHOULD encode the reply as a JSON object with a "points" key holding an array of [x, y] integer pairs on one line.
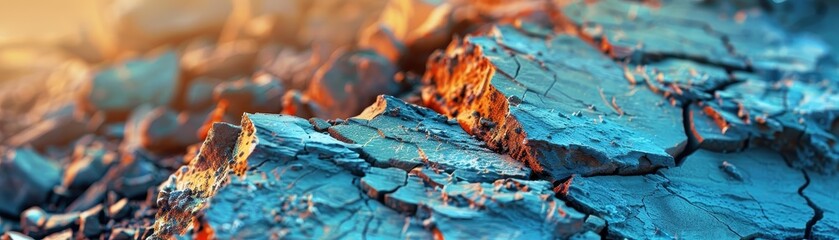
{"points": [[709, 202], [164, 130], [323, 183], [188, 190], [792, 117], [409, 197], [26, 178], [90, 161], [261, 93], [380, 181], [507, 208], [51, 132], [595, 223], [297, 104], [692, 30], [119, 88], [311, 174], [554, 103], [682, 80], [124, 234], [350, 81], [89, 225], [394, 133], [716, 128], [19, 236], [199, 93], [63, 235], [319, 124], [822, 191], [118, 209], [138, 178], [38, 223]]}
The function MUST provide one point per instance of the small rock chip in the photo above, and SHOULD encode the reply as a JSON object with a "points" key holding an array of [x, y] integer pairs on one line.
{"points": [[26, 179], [121, 88]]}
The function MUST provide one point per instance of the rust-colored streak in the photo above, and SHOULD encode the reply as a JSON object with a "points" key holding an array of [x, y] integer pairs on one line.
{"points": [[717, 117]]}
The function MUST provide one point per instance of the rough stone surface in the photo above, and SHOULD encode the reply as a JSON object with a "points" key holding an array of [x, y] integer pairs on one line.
{"points": [[396, 134], [555, 103], [120, 88], [380, 181], [33, 175], [55, 131], [681, 80], [693, 30], [324, 190], [748, 194], [89, 225], [823, 192], [296, 188], [716, 128], [38, 223], [794, 117], [566, 119], [262, 93], [165, 130], [350, 81], [188, 189], [743, 79], [511, 209], [90, 161]]}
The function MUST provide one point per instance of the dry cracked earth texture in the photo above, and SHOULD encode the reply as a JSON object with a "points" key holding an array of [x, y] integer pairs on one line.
{"points": [[420, 119]]}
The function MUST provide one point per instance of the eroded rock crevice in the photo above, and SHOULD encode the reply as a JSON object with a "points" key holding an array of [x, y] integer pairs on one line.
{"points": [[818, 213]]}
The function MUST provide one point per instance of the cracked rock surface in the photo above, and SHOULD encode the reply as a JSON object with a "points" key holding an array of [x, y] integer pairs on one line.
{"points": [[426, 119], [822, 192], [151, 80], [741, 77], [396, 134], [555, 103], [301, 183], [748, 194], [696, 30]]}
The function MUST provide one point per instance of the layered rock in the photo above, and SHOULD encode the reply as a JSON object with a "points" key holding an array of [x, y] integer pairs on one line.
{"points": [[554, 102], [119, 88], [821, 193], [741, 78], [34, 176], [301, 183], [793, 117], [694, 30], [350, 81], [190, 188], [394, 133], [740, 195]]}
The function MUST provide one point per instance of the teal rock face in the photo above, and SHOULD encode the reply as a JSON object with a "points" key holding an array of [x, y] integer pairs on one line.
{"points": [[569, 109], [33, 176], [301, 183], [748, 194], [697, 31], [822, 193], [396, 134], [122, 87]]}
